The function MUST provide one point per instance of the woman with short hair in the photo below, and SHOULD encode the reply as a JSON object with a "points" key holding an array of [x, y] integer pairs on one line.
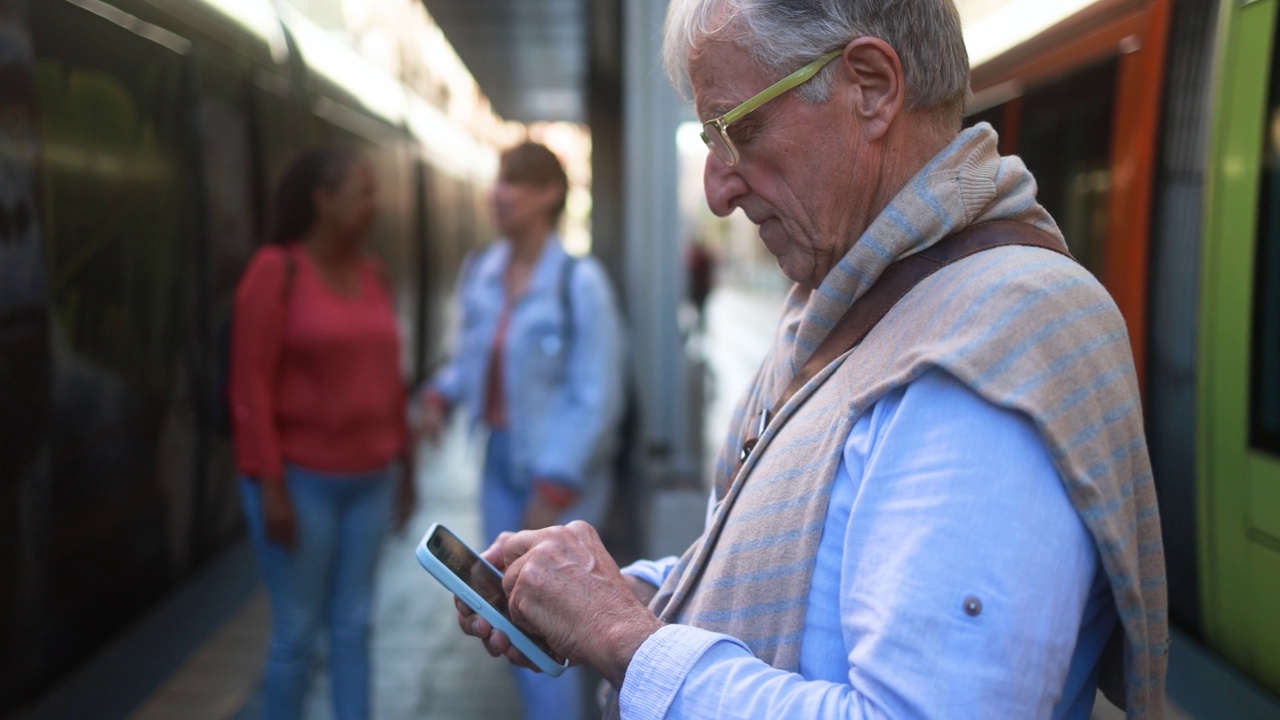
{"points": [[538, 361]]}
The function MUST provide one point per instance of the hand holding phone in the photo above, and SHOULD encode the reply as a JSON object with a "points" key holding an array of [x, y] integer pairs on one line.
{"points": [[478, 584]]}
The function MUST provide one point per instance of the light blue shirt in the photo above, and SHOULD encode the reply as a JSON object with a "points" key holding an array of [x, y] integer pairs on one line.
{"points": [[954, 579], [562, 376]]}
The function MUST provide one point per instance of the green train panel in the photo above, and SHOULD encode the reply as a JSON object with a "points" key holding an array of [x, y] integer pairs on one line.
{"points": [[1239, 386]]}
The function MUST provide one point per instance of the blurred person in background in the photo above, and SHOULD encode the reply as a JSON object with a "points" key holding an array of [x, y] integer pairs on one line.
{"points": [[538, 362], [319, 420], [948, 514], [701, 265]]}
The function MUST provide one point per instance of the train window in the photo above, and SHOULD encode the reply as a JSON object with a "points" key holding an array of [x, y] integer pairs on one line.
{"points": [[1064, 137], [234, 202], [280, 129], [112, 171], [1265, 397], [112, 168]]}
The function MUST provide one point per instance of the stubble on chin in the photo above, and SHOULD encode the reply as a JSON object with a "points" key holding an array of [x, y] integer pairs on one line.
{"points": [[797, 269], [804, 265]]}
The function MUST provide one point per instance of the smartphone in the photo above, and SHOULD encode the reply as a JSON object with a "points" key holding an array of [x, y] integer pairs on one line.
{"points": [[464, 573]]}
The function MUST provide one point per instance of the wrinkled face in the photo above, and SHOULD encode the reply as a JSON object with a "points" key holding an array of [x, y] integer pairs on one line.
{"points": [[350, 209], [797, 173]]}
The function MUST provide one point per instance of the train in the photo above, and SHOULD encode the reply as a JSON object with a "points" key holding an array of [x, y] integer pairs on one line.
{"points": [[1153, 131], [139, 144]]}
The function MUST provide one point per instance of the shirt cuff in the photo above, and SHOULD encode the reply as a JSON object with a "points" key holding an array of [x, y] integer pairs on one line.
{"points": [[659, 667], [653, 572]]}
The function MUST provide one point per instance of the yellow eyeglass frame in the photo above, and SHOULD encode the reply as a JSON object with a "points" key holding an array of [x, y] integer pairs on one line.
{"points": [[715, 132]]}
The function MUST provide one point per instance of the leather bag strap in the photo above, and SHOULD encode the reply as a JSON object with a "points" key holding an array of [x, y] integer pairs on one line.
{"points": [[895, 282]]}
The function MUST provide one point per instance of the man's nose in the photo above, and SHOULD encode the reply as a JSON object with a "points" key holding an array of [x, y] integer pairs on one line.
{"points": [[722, 184]]}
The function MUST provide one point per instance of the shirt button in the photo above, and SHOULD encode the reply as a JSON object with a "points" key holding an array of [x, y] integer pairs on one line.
{"points": [[972, 607]]}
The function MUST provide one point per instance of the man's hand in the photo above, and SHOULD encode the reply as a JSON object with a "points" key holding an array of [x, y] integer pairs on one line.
{"points": [[562, 584]]}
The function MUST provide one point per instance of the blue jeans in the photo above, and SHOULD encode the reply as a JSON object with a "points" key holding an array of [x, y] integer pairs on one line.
{"points": [[503, 503], [327, 578]]}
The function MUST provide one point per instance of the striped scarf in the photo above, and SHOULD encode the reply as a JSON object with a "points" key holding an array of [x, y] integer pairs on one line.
{"points": [[1025, 329]]}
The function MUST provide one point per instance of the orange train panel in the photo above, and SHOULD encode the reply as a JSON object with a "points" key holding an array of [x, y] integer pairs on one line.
{"points": [[1059, 51], [1137, 33], [1012, 125], [1134, 143]]}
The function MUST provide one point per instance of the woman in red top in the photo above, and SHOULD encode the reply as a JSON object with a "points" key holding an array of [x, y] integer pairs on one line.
{"points": [[318, 408]]}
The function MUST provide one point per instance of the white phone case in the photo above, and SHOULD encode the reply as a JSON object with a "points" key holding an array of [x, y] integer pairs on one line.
{"points": [[459, 587]]}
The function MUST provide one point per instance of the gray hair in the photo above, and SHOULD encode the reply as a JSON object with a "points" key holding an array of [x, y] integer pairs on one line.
{"points": [[782, 35]]}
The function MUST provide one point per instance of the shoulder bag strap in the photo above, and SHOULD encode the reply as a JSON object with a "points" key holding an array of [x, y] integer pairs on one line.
{"points": [[895, 282]]}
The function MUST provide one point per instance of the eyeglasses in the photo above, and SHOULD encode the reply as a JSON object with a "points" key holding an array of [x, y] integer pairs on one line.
{"points": [[715, 133]]}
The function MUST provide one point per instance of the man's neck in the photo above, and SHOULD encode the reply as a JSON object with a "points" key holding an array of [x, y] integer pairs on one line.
{"points": [[912, 144]]}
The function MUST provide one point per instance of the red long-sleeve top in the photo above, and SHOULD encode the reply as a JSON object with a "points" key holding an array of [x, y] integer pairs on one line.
{"points": [[315, 375]]}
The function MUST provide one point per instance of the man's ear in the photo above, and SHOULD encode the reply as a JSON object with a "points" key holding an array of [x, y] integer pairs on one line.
{"points": [[875, 88]]}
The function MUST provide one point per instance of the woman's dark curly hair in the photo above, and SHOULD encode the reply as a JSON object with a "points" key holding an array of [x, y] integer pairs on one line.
{"points": [[295, 207]]}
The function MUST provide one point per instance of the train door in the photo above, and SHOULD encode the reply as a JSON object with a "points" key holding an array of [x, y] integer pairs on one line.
{"points": [[438, 258], [24, 342], [112, 171], [445, 209], [232, 215], [1239, 383]]}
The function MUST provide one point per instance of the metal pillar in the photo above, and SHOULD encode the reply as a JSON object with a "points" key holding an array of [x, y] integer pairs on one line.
{"points": [[654, 267]]}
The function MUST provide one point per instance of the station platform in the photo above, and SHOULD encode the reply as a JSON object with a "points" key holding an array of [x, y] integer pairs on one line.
{"points": [[199, 656]]}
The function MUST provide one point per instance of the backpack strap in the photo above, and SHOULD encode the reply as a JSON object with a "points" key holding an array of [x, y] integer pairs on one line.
{"points": [[468, 268], [566, 299], [893, 284]]}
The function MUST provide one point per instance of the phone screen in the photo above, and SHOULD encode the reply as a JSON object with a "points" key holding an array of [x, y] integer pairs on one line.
{"points": [[476, 573]]}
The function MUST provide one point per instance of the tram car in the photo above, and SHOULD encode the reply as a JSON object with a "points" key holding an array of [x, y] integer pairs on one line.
{"points": [[1153, 130], [139, 143]]}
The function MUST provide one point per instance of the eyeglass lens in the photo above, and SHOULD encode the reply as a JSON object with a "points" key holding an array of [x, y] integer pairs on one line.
{"points": [[719, 144]]}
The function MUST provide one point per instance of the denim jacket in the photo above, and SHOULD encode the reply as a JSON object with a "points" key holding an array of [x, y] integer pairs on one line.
{"points": [[563, 387]]}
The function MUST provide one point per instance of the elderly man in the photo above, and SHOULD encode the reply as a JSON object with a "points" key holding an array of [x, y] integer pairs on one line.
{"points": [[953, 518]]}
